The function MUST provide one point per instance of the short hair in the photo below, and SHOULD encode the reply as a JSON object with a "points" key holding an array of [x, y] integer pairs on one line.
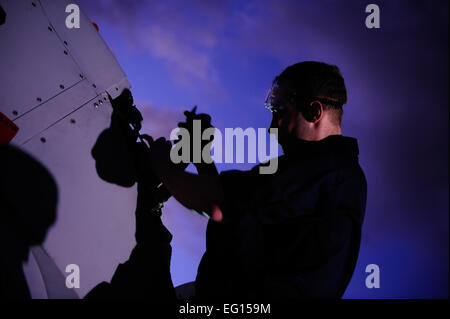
{"points": [[312, 79]]}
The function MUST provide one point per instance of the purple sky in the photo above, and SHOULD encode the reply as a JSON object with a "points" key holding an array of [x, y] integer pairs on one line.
{"points": [[223, 55]]}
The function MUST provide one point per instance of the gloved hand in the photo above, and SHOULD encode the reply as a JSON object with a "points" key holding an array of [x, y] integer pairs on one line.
{"points": [[204, 120]]}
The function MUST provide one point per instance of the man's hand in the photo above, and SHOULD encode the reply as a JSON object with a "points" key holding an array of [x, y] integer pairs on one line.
{"points": [[205, 123], [201, 193]]}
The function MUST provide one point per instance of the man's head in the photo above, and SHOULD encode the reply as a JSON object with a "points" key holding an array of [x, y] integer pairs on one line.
{"points": [[28, 201], [306, 101]]}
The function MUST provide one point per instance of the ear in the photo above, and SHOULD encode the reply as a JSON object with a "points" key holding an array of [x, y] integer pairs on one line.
{"points": [[313, 112]]}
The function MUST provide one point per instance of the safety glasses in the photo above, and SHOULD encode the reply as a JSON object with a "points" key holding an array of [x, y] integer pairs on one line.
{"points": [[278, 98]]}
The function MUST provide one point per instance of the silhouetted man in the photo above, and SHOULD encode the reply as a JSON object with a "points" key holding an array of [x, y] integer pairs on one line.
{"points": [[292, 234]]}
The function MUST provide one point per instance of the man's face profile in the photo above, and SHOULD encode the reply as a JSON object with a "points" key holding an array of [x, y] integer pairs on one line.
{"points": [[284, 114]]}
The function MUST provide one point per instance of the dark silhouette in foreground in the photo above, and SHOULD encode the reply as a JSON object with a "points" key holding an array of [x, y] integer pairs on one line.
{"points": [[28, 201]]}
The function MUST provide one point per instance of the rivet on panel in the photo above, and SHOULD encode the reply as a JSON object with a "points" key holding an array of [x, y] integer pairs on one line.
{"points": [[15, 112], [43, 140]]}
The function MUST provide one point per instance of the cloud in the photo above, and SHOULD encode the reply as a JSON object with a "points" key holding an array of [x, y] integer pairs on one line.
{"points": [[158, 121], [182, 36], [184, 61]]}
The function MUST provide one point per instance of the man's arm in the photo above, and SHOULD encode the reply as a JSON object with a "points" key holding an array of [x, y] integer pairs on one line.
{"points": [[202, 193]]}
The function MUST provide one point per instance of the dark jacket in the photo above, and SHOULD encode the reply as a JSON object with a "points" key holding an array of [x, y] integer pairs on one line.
{"points": [[293, 234]]}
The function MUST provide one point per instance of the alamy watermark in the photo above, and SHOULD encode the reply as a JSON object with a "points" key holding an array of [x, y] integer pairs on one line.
{"points": [[73, 19], [223, 144], [373, 19], [373, 279], [73, 278]]}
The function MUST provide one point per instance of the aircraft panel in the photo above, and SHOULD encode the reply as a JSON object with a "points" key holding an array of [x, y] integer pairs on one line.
{"points": [[95, 222], [54, 110], [41, 68], [88, 49]]}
